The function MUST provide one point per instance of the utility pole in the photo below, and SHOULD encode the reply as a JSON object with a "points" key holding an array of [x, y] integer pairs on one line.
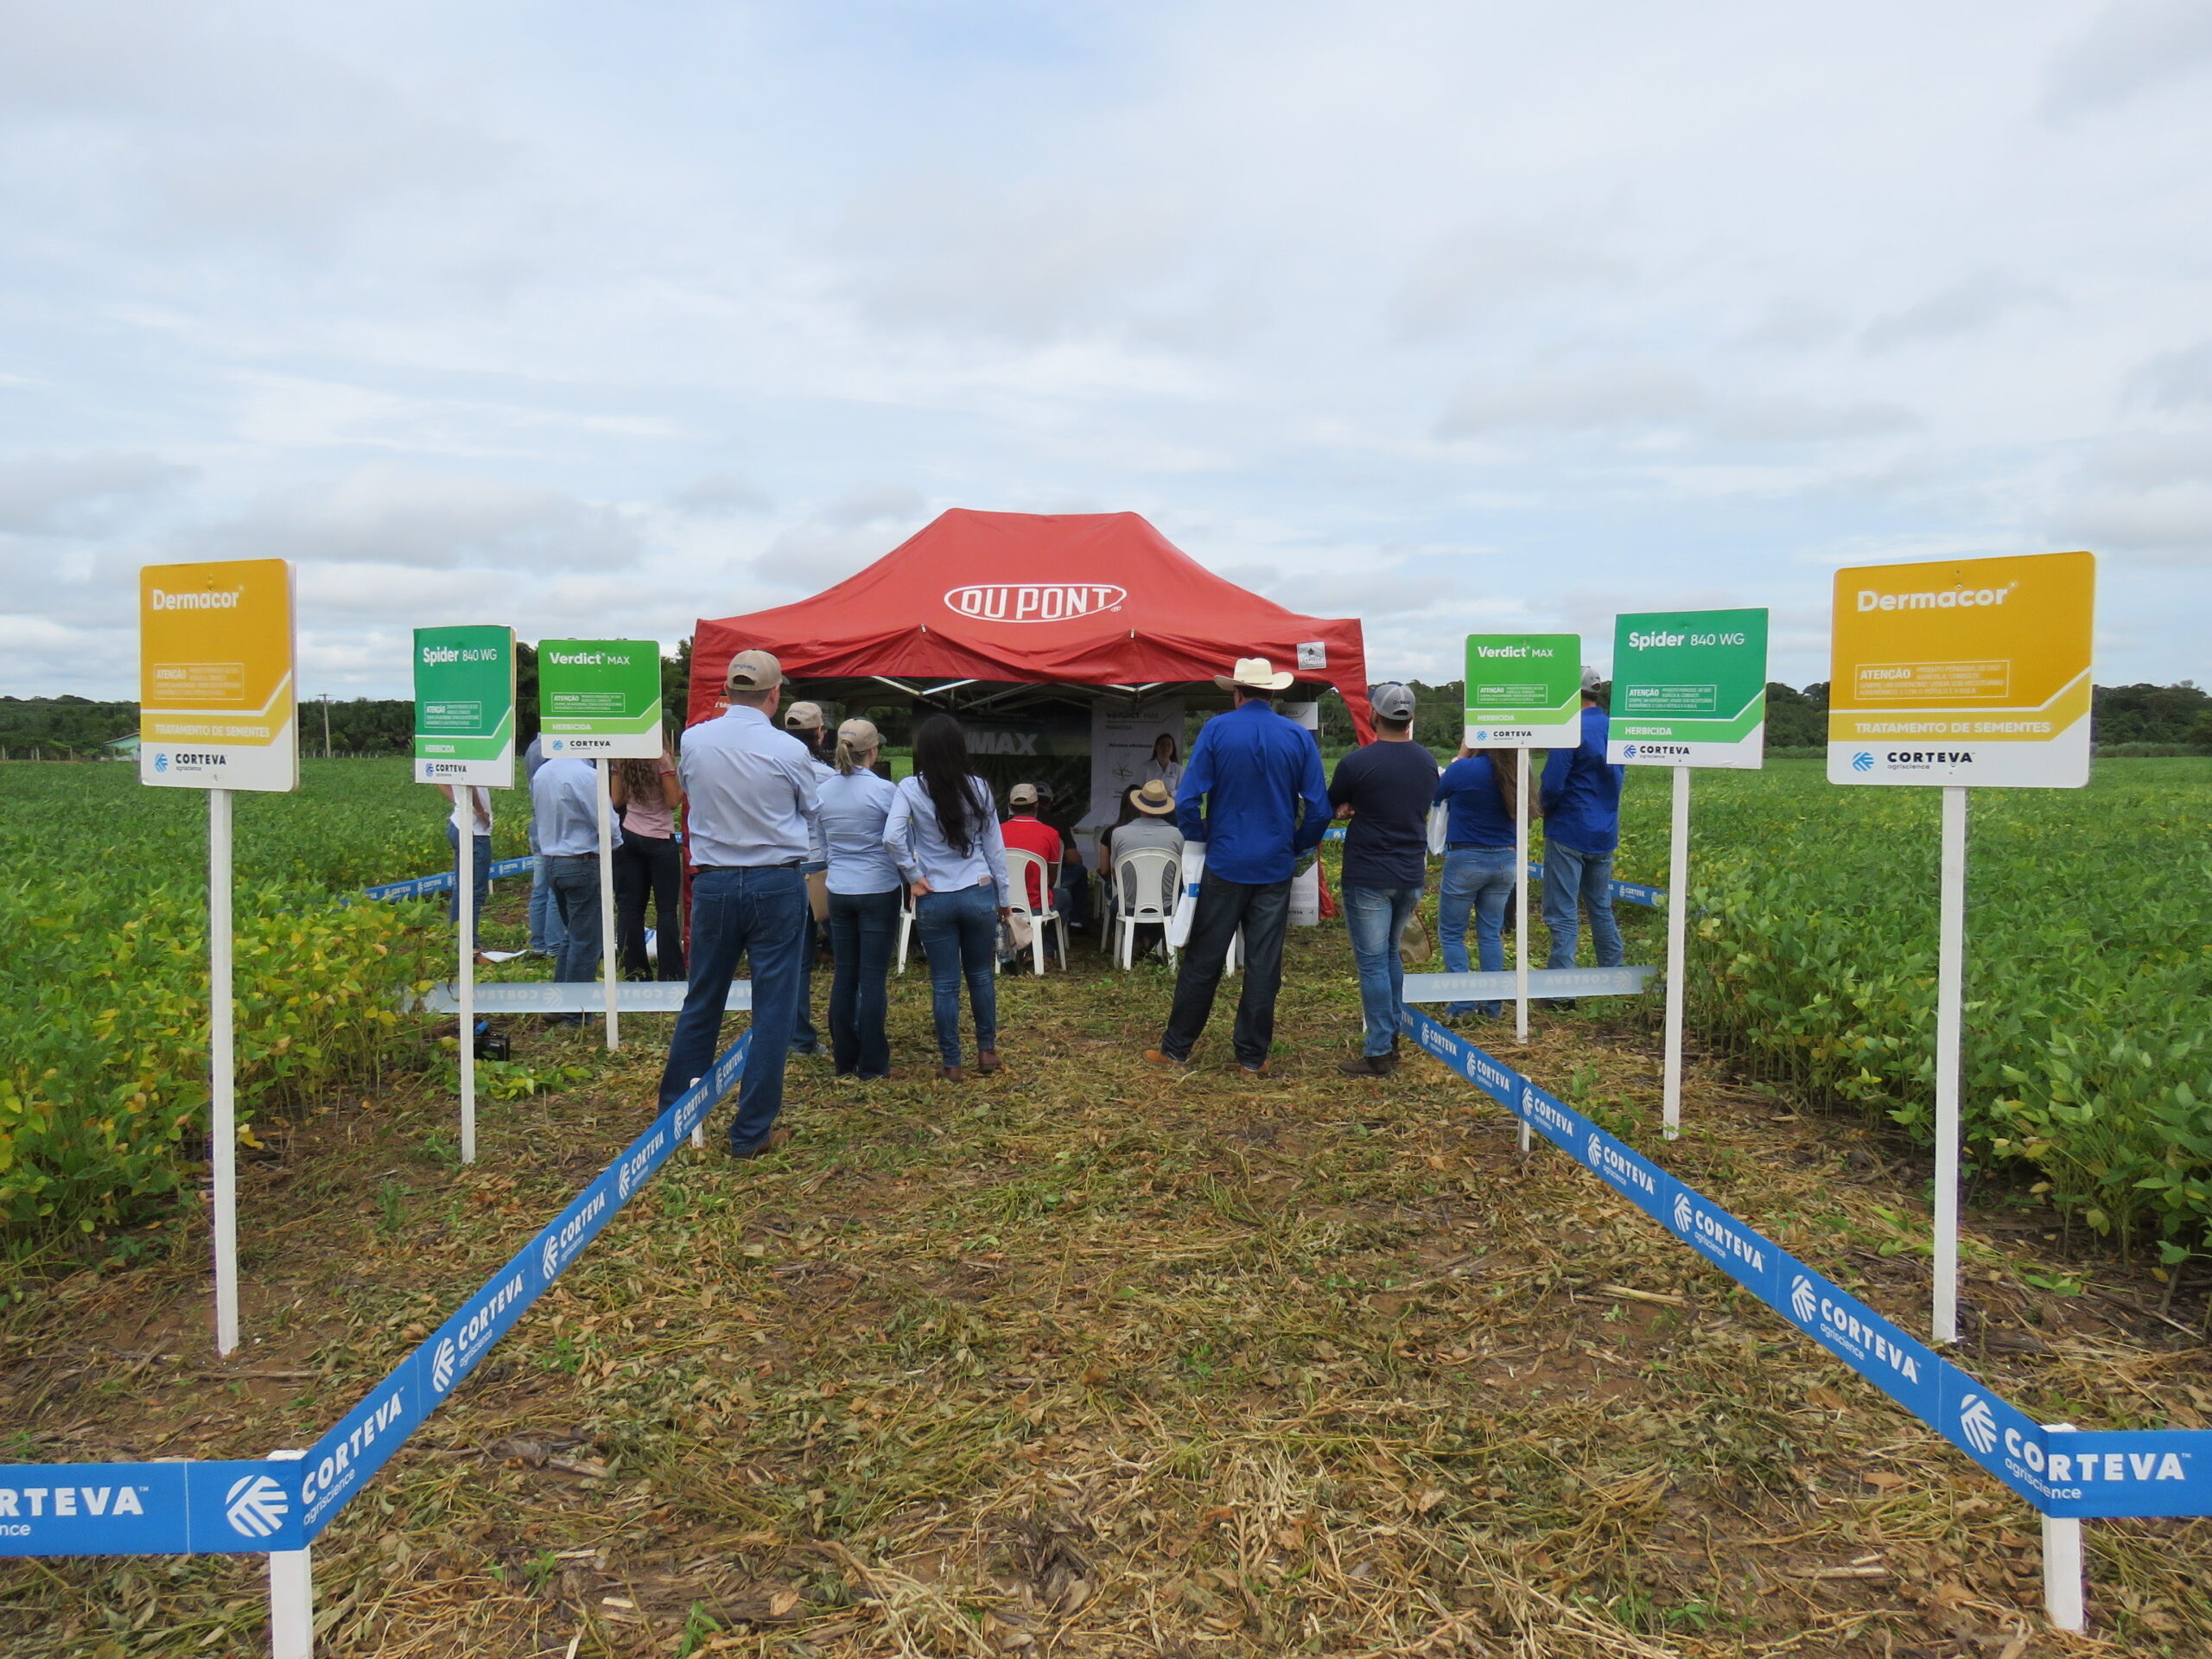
{"points": [[325, 725]]}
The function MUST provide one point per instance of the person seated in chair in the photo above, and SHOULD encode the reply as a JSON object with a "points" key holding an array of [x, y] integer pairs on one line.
{"points": [[1148, 822], [1026, 832]]}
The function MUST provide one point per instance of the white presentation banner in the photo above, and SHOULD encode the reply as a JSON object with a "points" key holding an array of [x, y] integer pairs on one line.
{"points": [[1121, 744]]}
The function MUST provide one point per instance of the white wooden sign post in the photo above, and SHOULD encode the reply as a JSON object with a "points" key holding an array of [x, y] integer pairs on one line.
{"points": [[1523, 691], [1690, 690], [465, 741], [217, 712], [1960, 674]]}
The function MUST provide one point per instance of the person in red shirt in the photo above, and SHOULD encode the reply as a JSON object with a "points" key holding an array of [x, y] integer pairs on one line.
{"points": [[1026, 830]]}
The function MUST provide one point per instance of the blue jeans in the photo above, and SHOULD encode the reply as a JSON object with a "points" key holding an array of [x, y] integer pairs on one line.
{"points": [[960, 932], [862, 929], [1576, 880], [481, 876], [1375, 917], [736, 912], [1480, 880], [804, 1039], [546, 935], [574, 883]]}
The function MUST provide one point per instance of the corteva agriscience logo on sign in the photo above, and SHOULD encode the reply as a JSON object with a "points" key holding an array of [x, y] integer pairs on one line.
{"points": [[1034, 601], [464, 706], [1524, 690], [1690, 690], [1965, 671], [216, 688], [600, 699]]}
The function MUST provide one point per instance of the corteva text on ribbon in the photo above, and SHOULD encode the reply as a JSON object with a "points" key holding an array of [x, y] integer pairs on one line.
{"points": [[1972, 672], [216, 693]]}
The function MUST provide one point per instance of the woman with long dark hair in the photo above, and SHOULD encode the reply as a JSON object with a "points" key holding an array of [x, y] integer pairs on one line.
{"points": [[942, 833], [647, 861], [1477, 791]]}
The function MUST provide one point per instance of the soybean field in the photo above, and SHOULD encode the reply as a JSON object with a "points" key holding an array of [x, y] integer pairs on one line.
{"points": [[2087, 1064], [103, 983]]}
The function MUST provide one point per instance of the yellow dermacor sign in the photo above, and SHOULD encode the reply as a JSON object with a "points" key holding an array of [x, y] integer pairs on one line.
{"points": [[1963, 671], [215, 687]]}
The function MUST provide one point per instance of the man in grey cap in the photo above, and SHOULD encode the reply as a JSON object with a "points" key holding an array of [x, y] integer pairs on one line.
{"points": [[805, 722], [753, 821], [1384, 789], [1581, 801]]}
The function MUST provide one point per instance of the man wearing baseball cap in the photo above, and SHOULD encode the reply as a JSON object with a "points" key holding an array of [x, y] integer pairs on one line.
{"points": [[1025, 829], [1254, 794], [754, 820], [1385, 789], [807, 722], [1581, 800]]}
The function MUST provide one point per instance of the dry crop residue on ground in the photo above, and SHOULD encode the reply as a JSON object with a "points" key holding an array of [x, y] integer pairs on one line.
{"points": [[1087, 1360]]}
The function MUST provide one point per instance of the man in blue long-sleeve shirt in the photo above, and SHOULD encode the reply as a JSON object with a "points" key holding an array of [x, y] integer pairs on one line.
{"points": [[1581, 797], [1253, 794]]}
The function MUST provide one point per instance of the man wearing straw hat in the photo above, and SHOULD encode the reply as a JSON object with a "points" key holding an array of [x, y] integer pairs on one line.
{"points": [[753, 819], [1253, 794]]}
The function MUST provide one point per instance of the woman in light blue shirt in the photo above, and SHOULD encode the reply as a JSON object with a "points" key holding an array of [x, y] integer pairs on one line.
{"points": [[863, 903], [942, 833]]}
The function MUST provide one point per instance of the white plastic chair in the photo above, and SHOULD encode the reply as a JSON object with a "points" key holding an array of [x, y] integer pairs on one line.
{"points": [[1018, 866], [906, 922], [1146, 882]]}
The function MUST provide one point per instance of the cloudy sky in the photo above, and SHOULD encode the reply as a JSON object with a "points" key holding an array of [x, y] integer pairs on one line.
{"points": [[1452, 316]]}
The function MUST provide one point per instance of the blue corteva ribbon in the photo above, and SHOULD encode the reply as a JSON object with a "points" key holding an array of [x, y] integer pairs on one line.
{"points": [[278, 1503], [423, 886], [149, 1509], [2090, 1474]]}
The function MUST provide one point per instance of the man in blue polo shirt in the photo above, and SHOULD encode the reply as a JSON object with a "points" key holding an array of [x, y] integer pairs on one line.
{"points": [[1581, 798], [1253, 794]]}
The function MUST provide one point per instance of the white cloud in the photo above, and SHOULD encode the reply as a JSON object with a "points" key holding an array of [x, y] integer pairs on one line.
{"points": [[383, 515], [2133, 47], [81, 495], [1435, 312]]}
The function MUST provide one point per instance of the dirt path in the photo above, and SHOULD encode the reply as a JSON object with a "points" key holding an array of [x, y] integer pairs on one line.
{"points": [[1083, 1360]]}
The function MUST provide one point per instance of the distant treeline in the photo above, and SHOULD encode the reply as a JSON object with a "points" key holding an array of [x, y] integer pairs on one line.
{"points": [[59, 728], [2178, 715]]}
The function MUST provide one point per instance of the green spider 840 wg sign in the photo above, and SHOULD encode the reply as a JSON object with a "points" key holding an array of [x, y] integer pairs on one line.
{"points": [[1690, 690]]}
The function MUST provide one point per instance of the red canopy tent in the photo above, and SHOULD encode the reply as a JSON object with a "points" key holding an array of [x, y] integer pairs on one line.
{"points": [[991, 609]]}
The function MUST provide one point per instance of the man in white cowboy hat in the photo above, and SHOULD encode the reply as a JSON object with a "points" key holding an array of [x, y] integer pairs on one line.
{"points": [[1252, 791], [1151, 814]]}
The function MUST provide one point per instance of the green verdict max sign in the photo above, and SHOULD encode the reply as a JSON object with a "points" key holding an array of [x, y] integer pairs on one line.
{"points": [[600, 698], [1690, 690]]}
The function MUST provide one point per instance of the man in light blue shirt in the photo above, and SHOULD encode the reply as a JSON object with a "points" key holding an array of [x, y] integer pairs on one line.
{"points": [[564, 806], [545, 937], [752, 818]]}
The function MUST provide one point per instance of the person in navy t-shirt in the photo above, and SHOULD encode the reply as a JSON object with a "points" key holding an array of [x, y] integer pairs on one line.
{"points": [[1385, 789]]}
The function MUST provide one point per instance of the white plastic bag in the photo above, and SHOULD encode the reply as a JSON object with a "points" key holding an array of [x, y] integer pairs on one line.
{"points": [[1186, 906], [1439, 829]]}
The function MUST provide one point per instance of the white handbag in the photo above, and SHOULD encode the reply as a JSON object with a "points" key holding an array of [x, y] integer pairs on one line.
{"points": [[1186, 906]]}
